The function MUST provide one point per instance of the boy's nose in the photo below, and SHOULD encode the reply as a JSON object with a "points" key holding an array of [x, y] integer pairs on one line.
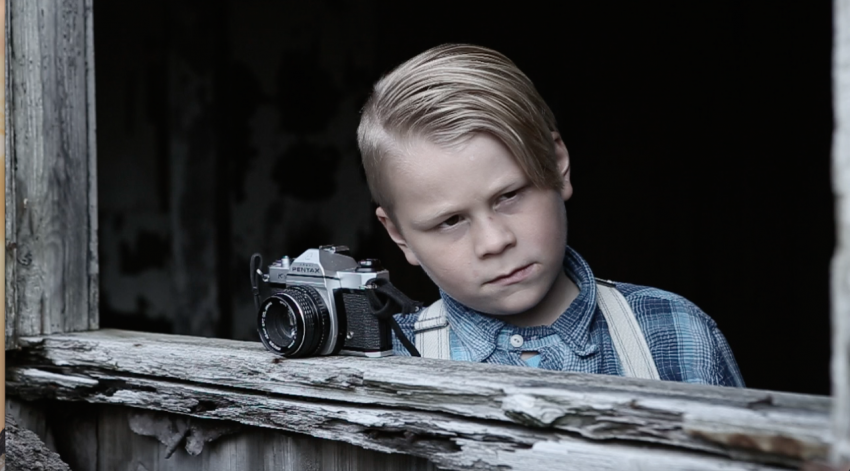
{"points": [[493, 237]]}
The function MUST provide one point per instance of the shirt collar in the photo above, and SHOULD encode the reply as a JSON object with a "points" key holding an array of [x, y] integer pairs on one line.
{"points": [[478, 333]]}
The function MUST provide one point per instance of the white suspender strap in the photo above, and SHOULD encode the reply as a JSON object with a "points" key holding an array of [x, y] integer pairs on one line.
{"points": [[629, 342], [432, 332]]}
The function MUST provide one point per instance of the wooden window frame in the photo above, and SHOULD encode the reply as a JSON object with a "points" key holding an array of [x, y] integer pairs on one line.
{"points": [[458, 415]]}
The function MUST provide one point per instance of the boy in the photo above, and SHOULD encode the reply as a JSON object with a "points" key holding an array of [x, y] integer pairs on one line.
{"points": [[470, 174]]}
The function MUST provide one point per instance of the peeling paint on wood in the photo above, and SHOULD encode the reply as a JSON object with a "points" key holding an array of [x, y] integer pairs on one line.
{"points": [[457, 414], [174, 430]]}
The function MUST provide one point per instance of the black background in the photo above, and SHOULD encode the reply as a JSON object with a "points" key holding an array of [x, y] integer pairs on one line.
{"points": [[699, 134]]}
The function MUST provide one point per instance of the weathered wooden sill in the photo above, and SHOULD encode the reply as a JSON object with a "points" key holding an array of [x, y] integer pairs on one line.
{"points": [[459, 415]]}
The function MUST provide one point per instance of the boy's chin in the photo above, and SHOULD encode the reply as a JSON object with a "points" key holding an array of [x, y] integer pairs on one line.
{"points": [[509, 306]]}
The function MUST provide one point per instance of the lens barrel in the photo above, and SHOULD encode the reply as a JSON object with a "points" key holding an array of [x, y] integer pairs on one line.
{"points": [[294, 322]]}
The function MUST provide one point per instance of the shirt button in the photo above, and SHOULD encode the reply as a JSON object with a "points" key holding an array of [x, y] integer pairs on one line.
{"points": [[516, 340]]}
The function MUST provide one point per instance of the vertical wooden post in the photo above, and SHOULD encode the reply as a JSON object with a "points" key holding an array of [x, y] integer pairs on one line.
{"points": [[51, 207], [841, 261], [2, 208], [9, 318], [93, 313]]}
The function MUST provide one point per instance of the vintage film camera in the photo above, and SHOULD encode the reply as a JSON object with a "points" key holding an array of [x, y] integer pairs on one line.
{"points": [[319, 305]]}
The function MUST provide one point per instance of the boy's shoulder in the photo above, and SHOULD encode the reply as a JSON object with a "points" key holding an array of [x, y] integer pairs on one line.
{"points": [[652, 304], [682, 337], [667, 318]]}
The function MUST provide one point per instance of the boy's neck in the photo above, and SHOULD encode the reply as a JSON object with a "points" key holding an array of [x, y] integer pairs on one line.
{"points": [[562, 293]]}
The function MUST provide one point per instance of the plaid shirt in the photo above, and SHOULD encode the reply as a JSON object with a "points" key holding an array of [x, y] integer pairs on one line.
{"points": [[685, 343]]}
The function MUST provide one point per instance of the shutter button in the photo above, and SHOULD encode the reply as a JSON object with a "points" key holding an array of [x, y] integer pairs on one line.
{"points": [[516, 340]]}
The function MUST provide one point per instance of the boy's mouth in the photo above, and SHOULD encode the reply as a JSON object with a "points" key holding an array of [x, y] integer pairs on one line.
{"points": [[514, 276]]}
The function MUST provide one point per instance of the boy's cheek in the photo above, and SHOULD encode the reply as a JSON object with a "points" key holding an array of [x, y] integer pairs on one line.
{"points": [[454, 279]]}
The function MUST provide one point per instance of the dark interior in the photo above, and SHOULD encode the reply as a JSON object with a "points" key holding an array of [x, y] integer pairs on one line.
{"points": [[699, 134]]}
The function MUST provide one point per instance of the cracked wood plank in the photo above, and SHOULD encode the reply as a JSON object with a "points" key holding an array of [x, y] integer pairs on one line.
{"points": [[51, 209], [454, 413], [445, 440]]}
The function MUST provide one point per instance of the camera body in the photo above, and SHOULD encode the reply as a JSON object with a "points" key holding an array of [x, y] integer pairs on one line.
{"points": [[319, 306]]}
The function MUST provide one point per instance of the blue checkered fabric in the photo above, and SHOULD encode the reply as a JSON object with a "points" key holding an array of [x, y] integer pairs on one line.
{"points": [[685, 343]]}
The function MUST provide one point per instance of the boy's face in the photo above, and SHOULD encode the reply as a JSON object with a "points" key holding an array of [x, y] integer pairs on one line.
{"points": [[475, 223]]}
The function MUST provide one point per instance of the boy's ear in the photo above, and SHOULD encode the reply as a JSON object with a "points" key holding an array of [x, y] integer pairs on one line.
{"points": [[563, 158], [395, 235]]}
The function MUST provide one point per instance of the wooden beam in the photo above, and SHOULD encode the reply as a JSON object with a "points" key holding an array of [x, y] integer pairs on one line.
{"points": [[51, 209], [841, 260], [454, 413]]}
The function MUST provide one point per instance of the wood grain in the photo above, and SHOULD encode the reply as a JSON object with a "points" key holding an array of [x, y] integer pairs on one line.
{"points": [[103, 438], [454, 413], [255, 449], [9, 220], [50, 211], [93, 317]]}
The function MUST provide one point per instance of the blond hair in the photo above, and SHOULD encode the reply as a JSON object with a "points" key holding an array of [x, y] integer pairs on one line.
{"points": [[445, 95]]}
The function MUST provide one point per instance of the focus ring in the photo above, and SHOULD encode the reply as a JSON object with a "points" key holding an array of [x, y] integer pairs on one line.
{"points": [[322, 322], [308, 311]]}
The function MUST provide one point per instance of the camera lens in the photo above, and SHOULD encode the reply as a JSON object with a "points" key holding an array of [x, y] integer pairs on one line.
{"points": [[281, 324], [294, 322]]}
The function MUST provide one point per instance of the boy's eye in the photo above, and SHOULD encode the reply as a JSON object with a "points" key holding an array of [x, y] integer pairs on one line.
{"points": [[509, 195], [450, 221]]}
